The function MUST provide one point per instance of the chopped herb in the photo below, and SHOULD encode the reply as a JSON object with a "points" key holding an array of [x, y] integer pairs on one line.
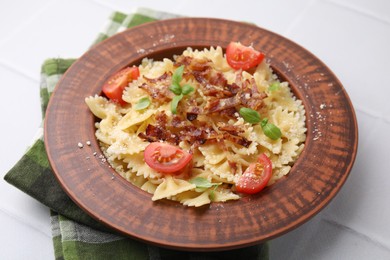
{"points": [[253, 117], [250, 115], [177, 89], [270, 130], [187, 89], [274, 86], [142, 103], [203, 184], [175, 102], [177, 75], [212, 193], [264, 122]]}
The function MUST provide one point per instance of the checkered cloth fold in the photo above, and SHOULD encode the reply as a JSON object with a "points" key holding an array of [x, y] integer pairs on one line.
{"points": [[75, 234]]}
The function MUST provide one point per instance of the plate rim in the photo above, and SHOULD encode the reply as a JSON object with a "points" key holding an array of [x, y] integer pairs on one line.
{"points": [[185, 246]]}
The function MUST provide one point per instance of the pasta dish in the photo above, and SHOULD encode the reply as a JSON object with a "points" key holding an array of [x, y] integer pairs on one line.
{"points": [[205, 126]]}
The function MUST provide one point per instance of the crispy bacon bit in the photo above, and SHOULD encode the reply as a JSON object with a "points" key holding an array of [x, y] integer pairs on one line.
{"points": [[244, 142], [231, 129], [229, 112], [233, 88], [237, 139], [158, 133], [222, 98], [192, 116], [183, 60], [194, 111], [217, 79], [250, 96], [213, 83], [211, 90], [158, 88], [216, 105], [233, 166]]}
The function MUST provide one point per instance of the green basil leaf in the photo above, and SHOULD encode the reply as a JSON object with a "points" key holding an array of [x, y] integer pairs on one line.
{"points": [[176, 89], [250, 115], [175, 101], [177, 75], [212, 193], [187, 89], [200, 189], [201, 182], [274, 86], [271, 131], [264, 122], [142, 103]]}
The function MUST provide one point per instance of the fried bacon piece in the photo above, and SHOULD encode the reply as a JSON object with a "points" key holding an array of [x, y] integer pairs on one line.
{"points": [[158, 88], [248, 96], [223, 98], [231, 129], [193, 112], [180, 129], [217, 105], [237, 139], [213, 83], [233, 166], [159, 132], [229, 112], [233, 132]]}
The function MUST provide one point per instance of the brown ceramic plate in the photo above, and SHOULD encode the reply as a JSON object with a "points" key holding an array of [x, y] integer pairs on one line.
{"points": [[314, 180]]}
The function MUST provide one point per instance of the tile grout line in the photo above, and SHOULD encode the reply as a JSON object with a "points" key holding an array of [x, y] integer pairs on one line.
{"points": [[370, 113], [13, 69], [105, 4], [298, 18], [357, 233], [22, 221], [360, 10]]}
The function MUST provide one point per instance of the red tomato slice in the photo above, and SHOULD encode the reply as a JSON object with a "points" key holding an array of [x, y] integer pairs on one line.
{"points": [[256, 176], [114, 86], [166, 158], [242, 57]]}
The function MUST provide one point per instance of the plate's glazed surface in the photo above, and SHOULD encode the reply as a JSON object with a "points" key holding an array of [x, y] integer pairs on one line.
{"points": [[314, 180]]}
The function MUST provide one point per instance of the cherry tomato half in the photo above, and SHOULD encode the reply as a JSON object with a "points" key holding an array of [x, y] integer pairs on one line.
{"points": [[256, 176], [242, 57], [114, 86], [166, 158]]}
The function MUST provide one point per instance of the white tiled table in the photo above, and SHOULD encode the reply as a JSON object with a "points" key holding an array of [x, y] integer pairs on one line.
{"points": [[351, 36]]}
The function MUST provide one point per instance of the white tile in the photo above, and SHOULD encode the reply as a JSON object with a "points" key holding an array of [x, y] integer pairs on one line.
{"points": [[125, 6], [18, 13], [25, 210], [352, 45], [22, 123], [367, 123], [272, 15], [360, 204], [19, 241], [64, 29], [380, 9], [322, 240], [22, 115]]}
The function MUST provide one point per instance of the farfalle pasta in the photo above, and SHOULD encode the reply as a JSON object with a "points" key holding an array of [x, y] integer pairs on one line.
{"points": [[194, 102]]}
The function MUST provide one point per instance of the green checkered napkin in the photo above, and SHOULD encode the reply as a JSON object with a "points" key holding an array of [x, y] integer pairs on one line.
{"points": [[75, 234]]}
